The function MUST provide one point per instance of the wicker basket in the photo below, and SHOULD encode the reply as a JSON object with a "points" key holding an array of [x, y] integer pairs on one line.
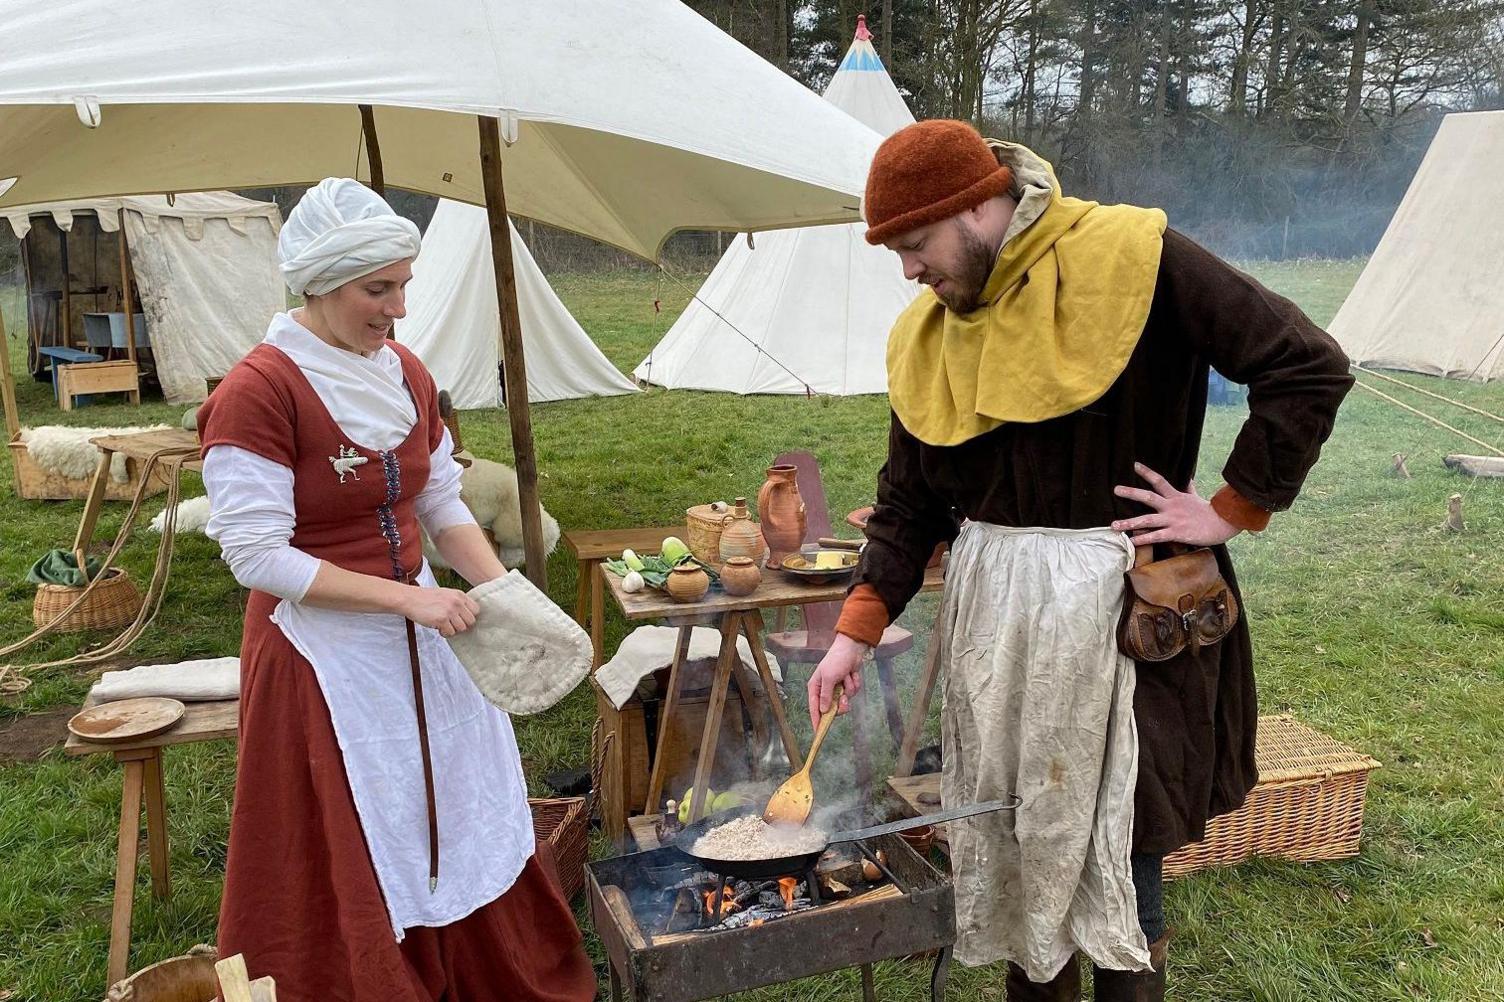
{"points": [[565, 827], [703, 533], [113, 603], [1307, 806]]}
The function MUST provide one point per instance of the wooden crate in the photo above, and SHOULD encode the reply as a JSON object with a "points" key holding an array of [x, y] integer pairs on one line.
{"points": [[36, 484], [1307, 806], [626, 763], [83, 378]]}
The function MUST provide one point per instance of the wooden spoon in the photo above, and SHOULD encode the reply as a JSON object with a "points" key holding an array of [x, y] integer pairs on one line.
{"points": [[791, 804]]}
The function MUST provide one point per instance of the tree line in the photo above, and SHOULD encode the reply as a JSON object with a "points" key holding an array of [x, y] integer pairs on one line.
{"points": [[1267, 128]]}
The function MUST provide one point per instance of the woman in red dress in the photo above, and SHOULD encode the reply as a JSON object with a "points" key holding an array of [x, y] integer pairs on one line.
{"points": [[381, 847]]}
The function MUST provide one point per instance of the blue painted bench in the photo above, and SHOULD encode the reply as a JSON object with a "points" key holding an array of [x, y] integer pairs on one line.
{"points": [[58, 355]]}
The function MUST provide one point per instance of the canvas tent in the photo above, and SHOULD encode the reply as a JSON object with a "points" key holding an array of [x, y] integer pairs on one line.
{"points": [[804, 310], [622, 122], [1431, 299], [204, 265], [452, 319]]}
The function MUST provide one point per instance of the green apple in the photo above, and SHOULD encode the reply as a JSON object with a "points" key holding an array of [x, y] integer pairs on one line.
{"points": [[725, 802]]}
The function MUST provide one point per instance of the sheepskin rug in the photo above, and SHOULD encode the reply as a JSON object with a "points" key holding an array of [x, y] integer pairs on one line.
{"points": [[69, 453], [489, 490], [193, 516]]}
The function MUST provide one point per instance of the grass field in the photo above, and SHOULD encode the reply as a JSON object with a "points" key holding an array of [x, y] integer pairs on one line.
{"points": [[1369, 622]]}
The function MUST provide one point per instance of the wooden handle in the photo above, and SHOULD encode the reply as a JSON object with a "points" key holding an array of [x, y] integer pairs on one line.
{"points": [[824, 728], [830, 542]]}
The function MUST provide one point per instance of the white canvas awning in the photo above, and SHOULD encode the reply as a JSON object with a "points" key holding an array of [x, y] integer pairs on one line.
{"points": [[626, 121]]}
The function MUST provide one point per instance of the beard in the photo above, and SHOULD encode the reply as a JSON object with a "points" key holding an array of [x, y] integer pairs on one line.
{"points": [[963, 288]]}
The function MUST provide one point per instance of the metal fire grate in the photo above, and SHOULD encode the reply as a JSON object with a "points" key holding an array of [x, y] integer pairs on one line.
{"points": [[911, 912]]}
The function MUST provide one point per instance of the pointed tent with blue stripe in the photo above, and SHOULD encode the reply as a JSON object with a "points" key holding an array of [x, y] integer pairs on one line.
{"points": [[805, 310]]}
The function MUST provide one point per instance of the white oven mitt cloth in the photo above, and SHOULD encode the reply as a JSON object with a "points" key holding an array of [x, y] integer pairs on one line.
{"points": [[524, 653]]}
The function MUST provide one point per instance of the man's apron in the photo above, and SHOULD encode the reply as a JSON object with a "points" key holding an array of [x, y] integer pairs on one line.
{"points": [[1039, 702]]}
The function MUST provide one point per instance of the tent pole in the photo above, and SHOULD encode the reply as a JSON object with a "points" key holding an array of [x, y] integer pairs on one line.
{"points": [[373, 149], [65, 336], [127, 302], [8, 389], [511, 351]]}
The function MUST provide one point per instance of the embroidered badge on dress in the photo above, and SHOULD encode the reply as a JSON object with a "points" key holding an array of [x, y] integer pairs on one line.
{"points": [[346, 462]]}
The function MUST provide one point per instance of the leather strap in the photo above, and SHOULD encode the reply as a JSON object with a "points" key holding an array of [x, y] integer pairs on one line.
{"points": [[433, 811]]}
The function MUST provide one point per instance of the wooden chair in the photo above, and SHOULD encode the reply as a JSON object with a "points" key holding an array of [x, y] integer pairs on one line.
{"points": [[809, 645]]}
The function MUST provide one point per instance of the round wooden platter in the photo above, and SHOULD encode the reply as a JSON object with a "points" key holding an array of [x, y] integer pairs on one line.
{"points": [[127, 719]]}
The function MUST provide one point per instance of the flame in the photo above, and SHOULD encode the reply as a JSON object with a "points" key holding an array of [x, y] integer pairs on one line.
{"points": [[727, 905], [786, 887], [755, 923]]}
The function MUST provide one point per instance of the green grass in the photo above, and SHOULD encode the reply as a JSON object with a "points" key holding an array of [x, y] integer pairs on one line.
{"points": [[1369, 622]]}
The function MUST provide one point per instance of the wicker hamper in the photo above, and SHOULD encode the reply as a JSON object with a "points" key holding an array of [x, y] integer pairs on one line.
{"points": [[1307, 806], [565, 826], [113, 603]]}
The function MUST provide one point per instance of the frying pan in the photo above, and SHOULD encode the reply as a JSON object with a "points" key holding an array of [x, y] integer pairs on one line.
{"points": [[766, 869]]}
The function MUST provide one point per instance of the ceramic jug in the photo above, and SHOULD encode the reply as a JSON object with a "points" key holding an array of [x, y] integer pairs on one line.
{"points": [[781, 510]]}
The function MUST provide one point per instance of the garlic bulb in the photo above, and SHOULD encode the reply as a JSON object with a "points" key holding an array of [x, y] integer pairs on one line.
{"points": [[632, 582]]}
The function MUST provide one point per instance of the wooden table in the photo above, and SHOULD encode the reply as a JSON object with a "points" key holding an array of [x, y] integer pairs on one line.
{"points": [[143, 779], [591, 548], [139, 447], [733, 616]]}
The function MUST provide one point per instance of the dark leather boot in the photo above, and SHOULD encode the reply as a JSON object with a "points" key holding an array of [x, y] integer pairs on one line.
{"points": [[1134, 986], [1064, 987]]}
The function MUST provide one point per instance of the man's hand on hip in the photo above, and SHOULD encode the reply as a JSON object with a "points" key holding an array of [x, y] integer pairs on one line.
{"points": [[842, 665], [1178, 516]]}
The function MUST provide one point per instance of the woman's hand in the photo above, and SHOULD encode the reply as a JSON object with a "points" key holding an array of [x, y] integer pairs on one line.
{"points": [[444, 609], [1178, 516]]}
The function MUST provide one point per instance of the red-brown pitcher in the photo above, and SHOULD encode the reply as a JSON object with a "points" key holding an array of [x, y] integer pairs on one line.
{"points": [[781, 511]]}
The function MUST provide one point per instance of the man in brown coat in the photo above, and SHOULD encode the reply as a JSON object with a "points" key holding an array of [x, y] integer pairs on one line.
{"points": [[1048, 392]]}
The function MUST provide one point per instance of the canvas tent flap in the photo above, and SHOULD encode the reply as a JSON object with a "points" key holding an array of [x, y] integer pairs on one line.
{"points": [[191, 207], [207, 298], [1430, 299], [452, 322], [697, 130], [801, 310]]}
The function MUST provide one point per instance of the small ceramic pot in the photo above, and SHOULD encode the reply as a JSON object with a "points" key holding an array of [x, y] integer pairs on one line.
{"points": [[920, 839], [688, 583], [740, 536], [740, 576]]}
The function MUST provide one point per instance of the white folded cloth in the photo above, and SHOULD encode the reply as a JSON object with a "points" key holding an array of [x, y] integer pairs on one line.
{"points": [[648, 648], [190, 681], [524, 653]]}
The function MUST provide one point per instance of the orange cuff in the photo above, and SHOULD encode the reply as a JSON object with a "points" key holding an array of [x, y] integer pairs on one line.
{"points": [[1237, 510], [864, 616]]}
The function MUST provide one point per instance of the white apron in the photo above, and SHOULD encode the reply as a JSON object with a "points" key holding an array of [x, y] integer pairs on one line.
{"points": [[1039, 702], [485, 827]]}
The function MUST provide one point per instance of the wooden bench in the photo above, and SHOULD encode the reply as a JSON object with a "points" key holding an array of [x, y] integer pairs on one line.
{"points": [[77, 381]]}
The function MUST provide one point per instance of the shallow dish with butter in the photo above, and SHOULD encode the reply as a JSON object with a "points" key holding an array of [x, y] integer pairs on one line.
{"points": [[821, 566]]}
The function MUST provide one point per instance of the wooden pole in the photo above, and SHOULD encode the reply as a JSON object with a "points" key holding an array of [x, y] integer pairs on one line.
{"points": [[8, 388], [127, 301], [373, 162], [513, 369], [373, 149], [65, 336]]}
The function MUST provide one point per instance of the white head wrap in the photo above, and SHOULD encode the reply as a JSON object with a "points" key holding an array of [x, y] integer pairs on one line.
{"points": [[338, 232]]}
